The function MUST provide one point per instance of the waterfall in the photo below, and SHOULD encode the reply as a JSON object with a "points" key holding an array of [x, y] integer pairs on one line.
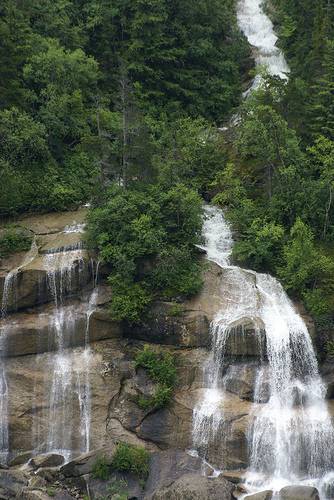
{"points": [[70, 388], [291, 435], [9, 293], [259, 31]]}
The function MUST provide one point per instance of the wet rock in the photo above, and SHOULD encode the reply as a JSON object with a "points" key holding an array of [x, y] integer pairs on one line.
{"points": [[261, 495], [59, 242], [194, 487], [299, 493], [54, 222], [84, 464], [49, 474], [49, 460], [168, 466], [34, 495], [240, 379], [234, 476], [186, 324], [244, 340], [184, 328], [12, 483], [101, 326], [21, 459], [37, 482], [125, 483], [328, 380]]}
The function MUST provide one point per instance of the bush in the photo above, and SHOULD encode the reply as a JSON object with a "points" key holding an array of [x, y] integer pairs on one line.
{"points": [[155, 226], [160, 398], [161, 369], [101, 469], [129, 300], [14, 239], [129, 458], [160, 366]]}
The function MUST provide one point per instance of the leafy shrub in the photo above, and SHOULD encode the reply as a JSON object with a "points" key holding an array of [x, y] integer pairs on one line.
{"points": [[160, 366], [129, 458], [130, 300], [160, 398], [161, 369], [157, 226], [101, 468], [14, 239], [176, 310]]}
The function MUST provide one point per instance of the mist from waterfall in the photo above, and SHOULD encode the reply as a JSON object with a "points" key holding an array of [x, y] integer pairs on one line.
{"points": [[291, 435]]}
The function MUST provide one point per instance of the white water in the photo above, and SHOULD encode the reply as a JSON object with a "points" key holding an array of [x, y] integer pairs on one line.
{"points": [[70, 389], [259, 31], [291, 436]]}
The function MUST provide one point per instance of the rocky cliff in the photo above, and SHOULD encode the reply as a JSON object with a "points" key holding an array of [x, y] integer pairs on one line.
{"points": [[31, 358]]}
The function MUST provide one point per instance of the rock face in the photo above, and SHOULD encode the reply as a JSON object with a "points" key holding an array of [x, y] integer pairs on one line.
{"points": [[195, 487], [53, 235], [183, 330]]}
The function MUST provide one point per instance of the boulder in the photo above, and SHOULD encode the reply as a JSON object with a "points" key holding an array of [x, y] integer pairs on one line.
{"points": [[126, 483], [47, 460], [261, 495], [194, 487], [299, 493], [234, 476], [21, 459], [34, 495], [84, 464], [37, 482], [12, 483], [244, 340], [168, 466]]}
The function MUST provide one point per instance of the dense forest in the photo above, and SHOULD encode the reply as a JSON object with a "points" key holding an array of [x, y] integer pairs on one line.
{"points": [[120, 103]]}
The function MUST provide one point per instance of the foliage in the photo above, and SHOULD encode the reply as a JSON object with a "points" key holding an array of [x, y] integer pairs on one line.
{"points": [[160, 366], [14, 239], [51, 492], [161, 369], [138, 228], [101, 468], [91, 92], [129, 458]]}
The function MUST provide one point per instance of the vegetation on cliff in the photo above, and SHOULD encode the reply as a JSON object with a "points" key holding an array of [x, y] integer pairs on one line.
{"points": [[161, 370]]}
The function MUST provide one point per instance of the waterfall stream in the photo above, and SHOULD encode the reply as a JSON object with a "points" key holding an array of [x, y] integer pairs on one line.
{"points": [[290, 434], [70, 387], [259, 31]]}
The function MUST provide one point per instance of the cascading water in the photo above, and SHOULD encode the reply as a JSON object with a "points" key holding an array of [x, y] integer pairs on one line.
{"points": [[291, 435], [70, 387], [9, 296], [259, 31]]}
